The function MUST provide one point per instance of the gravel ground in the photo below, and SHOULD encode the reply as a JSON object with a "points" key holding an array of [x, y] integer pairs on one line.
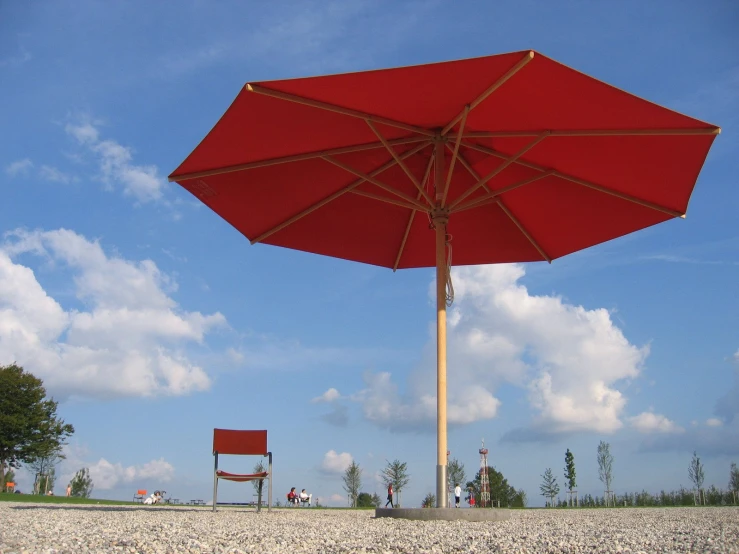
{"points": [[59, 528]]}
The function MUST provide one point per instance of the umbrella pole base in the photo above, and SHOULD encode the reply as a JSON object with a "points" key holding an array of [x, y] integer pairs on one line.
{"points": [[445, 514], [442, 499]]}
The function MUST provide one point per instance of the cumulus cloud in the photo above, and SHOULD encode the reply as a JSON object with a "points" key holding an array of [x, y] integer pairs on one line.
{"points": [[649, 422], [124, 336], [106, 475], [116, 166], [714, 422], [335, 463], [569, 359], [19, 167], [329, 396], [339, 414]]}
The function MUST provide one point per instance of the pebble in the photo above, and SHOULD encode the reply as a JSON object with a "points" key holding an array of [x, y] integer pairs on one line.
{"points": [[61, 529]]}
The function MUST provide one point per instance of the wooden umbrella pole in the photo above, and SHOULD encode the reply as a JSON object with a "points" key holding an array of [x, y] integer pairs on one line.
{"points": [[440, 218]]}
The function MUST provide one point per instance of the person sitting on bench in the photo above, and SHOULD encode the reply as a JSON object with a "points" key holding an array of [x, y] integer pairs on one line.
{"points": [[305, 497], [292, 497]]}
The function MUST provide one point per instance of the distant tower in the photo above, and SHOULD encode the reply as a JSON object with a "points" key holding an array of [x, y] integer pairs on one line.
{"points": [[484, 480]]}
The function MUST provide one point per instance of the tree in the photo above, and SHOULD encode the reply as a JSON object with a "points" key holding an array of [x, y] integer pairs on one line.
{"points": [[396, 473], [734, 478], [43, 468], [259, 483], [605, 464], [522, 499], [82, 483], [455, 474], [45, 481], [8, 477], [376, 500], [570, 476], [29, 426], [549, 487], [364, 500], [500, 489], [353, 482], [695, 471], [429, 501]]}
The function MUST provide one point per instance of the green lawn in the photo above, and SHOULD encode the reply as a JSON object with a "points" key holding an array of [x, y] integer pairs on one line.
{"points": [[10, 497]]}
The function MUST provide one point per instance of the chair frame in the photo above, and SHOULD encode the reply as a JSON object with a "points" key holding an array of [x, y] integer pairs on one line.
{"points": [[254, 443]]}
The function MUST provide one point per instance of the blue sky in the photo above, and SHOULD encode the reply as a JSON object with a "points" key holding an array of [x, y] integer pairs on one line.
{"points": [[152, 321]]}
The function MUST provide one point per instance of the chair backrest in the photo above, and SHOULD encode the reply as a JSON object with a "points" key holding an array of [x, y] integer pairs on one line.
{"points": [[231, 441], [9, 484], [141, 492]]}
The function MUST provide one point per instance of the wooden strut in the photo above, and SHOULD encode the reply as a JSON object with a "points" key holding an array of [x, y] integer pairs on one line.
{"points": [[402, 165], [388, 200], [592, 133], [294, 158], [582, 182], [497, 170], [412, 215], [492, 88], [337, 109], [335, 195], [375, 182], [455, 152], [493, 195]]}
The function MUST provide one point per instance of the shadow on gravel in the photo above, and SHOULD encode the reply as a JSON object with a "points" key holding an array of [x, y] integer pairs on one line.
{"points": [[119, 509]]}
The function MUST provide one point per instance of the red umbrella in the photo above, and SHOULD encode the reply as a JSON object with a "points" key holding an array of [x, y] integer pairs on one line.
{"points": [[516, 157]]}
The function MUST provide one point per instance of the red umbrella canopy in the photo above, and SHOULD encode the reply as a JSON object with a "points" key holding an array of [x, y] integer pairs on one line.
{"points": [[539, 161]]}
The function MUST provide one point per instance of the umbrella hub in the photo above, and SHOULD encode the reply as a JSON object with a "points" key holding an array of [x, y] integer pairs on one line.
{"points": [[439, 216]]}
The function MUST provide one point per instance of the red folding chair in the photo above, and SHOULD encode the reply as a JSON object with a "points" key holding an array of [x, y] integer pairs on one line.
{"points": [[241, 443]]}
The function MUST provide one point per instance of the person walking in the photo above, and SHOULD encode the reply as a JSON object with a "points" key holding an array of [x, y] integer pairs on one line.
{"points": [[457, 494], [389, 496]]}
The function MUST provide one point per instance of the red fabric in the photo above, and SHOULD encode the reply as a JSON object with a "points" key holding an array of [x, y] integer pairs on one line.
{"points": [[561, 216], [231, 441], [241, 476]]}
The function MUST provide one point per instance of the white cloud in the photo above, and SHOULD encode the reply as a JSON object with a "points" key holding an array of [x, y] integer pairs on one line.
{"points": [[334, 463], [127, 336], [337, 498], [649, 422], [49, 173], [106, 475], [115, 162], [714, 422], [329, 396], [19, 167], [570, 360]]}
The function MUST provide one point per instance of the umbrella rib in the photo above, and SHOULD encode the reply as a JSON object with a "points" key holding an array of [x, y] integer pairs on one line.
{"points": [[592, 133], [334, 196], [582, 182], [486, 199], [523, 230], [412, 216], [388, 200], [506, 210], [294, 158], [455, 152], [336, 109], [492, 88], [376, 182], [402, 165], [509, 160]]}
